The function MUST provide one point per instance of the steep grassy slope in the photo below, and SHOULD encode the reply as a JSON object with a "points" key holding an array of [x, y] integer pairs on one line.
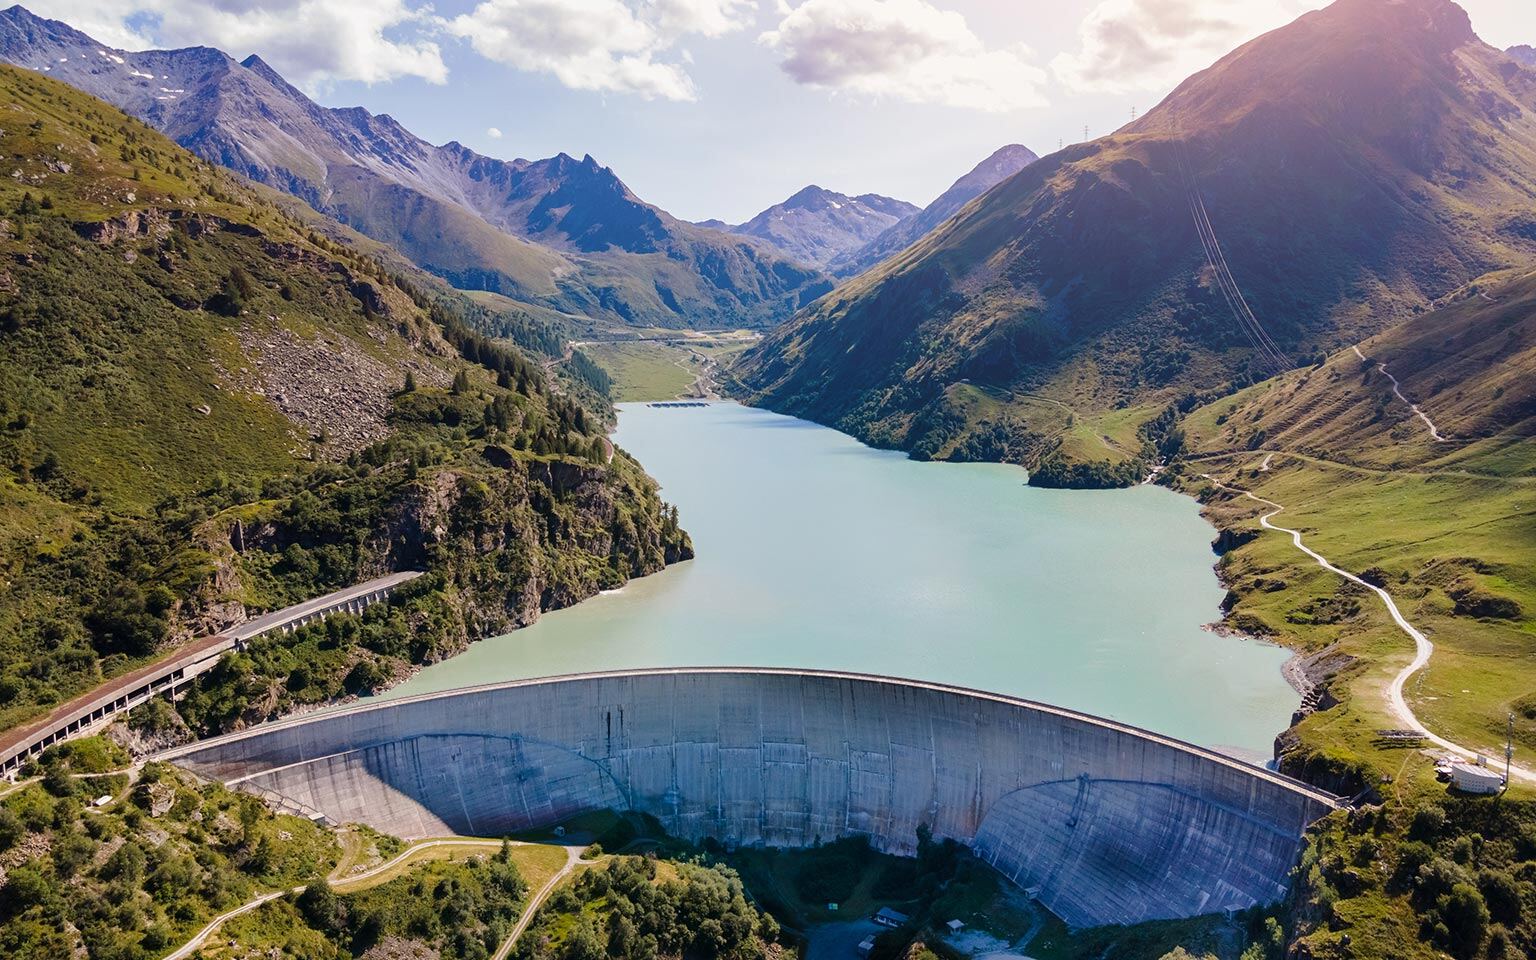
{"points": [[1354, 165], [1449, 526], [210, 410], [559, 232]]}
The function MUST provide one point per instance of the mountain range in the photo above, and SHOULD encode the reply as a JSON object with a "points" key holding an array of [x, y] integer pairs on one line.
{"points": [[818, 226], [1002, 164], [561, 233], [1314, 186], [850, 234]]}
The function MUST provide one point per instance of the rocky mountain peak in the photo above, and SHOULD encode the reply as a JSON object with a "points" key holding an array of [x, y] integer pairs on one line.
{"points": [[812, 197], [816, 225], [37, 28], [999, 166], [264, 70]]}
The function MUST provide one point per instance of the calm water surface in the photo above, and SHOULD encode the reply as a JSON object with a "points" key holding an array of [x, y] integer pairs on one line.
{"points": [[816, 551]]}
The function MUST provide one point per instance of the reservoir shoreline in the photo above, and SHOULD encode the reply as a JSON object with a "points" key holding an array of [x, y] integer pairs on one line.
{"points": [[949, 573]]}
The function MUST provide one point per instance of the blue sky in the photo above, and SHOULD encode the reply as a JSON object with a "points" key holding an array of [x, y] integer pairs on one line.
{"points": [[718, 108]]}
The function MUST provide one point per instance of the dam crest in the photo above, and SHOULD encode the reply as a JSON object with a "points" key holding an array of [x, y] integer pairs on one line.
{"points": [[1101, 822]]}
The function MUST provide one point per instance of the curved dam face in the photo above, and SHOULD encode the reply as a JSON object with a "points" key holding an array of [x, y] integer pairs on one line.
{"points": [[1101, 822]]}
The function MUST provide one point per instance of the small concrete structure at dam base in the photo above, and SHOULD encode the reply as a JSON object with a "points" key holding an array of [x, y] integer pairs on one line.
{"points": [[1102, 822]]}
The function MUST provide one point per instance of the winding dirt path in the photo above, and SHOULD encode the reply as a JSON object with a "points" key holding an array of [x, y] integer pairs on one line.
{"points": [[196, 943], [572, 858], [191, 947], [1434, 431], [1423, 648]]}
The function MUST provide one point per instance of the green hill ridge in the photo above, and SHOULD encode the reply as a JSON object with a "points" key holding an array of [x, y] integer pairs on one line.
{"points": [[1352, 167], [208, 409]]}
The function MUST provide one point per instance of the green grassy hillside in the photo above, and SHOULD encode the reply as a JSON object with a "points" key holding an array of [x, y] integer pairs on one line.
{"points": [[1449, 529], [1450, 525], [208, 409], [140, 875], [1354, 166]]}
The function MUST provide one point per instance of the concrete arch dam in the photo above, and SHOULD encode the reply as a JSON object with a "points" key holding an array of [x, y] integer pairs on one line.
{"points": [[1102, 822]]}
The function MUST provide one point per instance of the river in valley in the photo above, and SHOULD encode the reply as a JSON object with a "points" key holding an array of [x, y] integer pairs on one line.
{"points": [[817, 551]]}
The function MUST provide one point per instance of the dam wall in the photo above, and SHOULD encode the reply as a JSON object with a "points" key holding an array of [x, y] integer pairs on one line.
{"points": [[1101, 822]]}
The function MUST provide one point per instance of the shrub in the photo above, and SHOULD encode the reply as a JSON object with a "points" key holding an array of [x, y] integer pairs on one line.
{"points": [[1428, 822], [11, 829], [1502, 894], [1465, 916]]}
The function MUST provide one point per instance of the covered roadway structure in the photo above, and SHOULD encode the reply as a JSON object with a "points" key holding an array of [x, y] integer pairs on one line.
{"points": [[86, 711]]}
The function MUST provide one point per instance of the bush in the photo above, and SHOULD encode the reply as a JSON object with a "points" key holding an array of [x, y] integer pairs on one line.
{"points": [[1439, 877], [11, 829], [1502, 894], [1428, 823], [830, 873], [1465, 916]]}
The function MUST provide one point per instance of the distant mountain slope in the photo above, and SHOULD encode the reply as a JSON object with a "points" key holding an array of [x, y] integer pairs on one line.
{"points": [[208, 409], [1002, 164], [1524, 53], [1353, 165], [1470, 365], [561, 232], [818, 226]]}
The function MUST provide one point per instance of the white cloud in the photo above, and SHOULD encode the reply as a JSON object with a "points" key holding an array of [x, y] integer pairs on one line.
{"points": [[493, 132], [1135, 45], [905, 49], [311, 42], [103, 19], [600, 45], [707, 18]]}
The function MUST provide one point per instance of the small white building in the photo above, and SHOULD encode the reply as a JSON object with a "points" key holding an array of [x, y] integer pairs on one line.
{"points": [[866, 945], [1471, 778], [955, 926], [887, 917]]}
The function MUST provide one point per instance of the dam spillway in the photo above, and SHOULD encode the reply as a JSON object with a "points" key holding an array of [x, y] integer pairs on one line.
{"points": [[1101, 822]]}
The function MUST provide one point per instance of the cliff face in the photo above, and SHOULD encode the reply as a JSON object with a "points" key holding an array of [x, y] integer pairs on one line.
{"points": [[503, 543], [512, 542]]}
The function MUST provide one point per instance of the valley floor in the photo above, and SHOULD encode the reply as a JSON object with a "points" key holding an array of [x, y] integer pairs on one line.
{"points": [[667, 365]]}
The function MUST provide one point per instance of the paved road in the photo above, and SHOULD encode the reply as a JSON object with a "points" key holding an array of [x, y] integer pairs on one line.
{"points": [[1423, 648], [197, 653], [838, 941]]}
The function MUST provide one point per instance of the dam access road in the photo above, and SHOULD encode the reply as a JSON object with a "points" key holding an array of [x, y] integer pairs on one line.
{"points": [[1100, 821]]}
